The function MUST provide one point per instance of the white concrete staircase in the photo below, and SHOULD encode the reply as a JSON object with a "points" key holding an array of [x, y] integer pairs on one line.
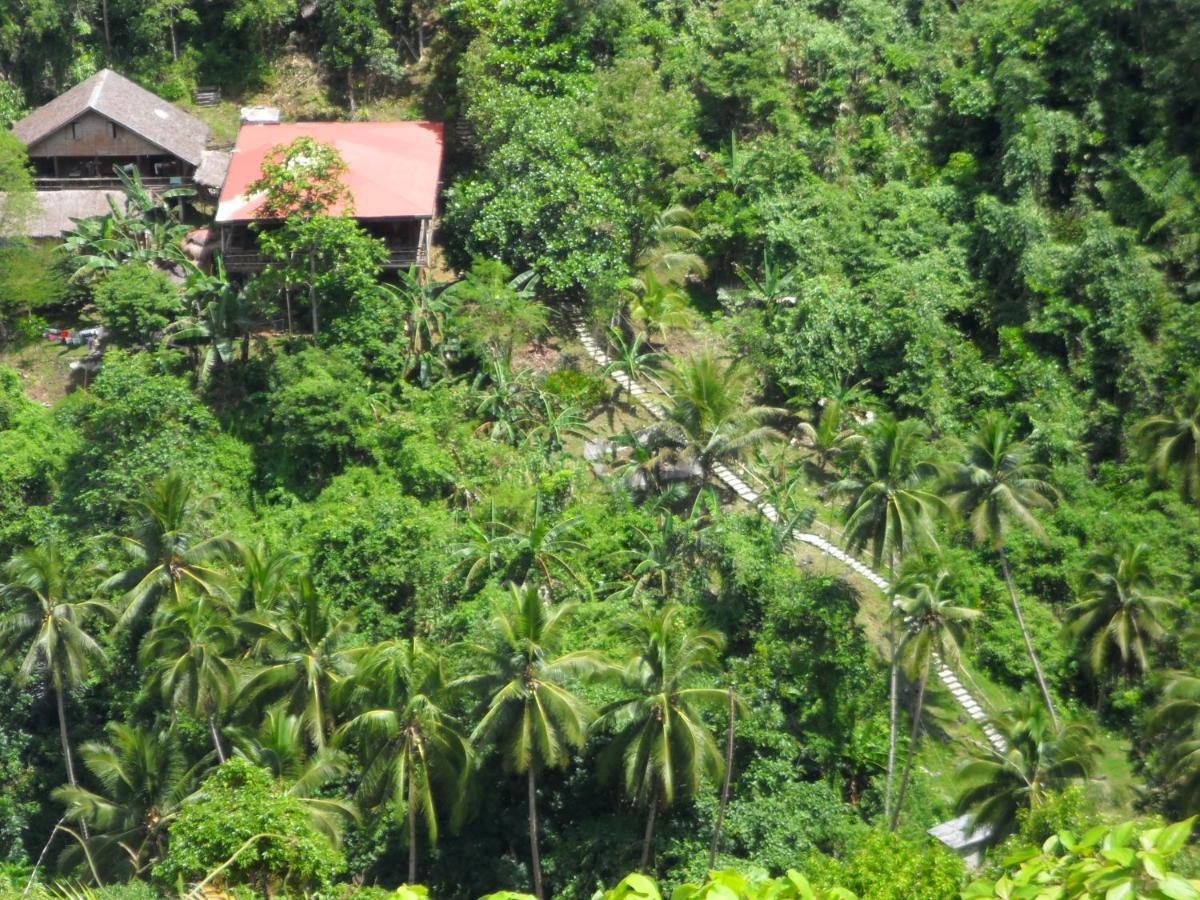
{"points": [[731, 480]]}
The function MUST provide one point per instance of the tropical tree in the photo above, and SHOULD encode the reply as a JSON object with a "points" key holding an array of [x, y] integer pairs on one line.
{"points": [[169, 550], [1177, 719], [46, 628], [932, 628], [666, 254], [192, 660], [891, 509], [1118, 613], [658, 739], [541, 546], [143, 777], [657, 305], [280, 745], [415, 756], [145, 227], [1171, 443], [828, 438], [706, 411], [553, 422], [265, 577], [531, 716], [498, 309], [425, 307], [301, 184], [303, 652], [503, 400], [994, 487], [633, 357], [1039, 758]]}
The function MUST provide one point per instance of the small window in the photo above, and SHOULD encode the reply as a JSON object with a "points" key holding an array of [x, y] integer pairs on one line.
{"points": [[114, 129], [74, 132]]}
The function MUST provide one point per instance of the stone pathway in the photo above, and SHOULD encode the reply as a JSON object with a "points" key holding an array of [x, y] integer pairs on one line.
{"points": [[727, 477]]}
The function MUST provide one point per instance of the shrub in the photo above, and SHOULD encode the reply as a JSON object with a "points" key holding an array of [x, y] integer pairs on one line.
{"points": [[571, 386], [136, 301], [241, 818]]}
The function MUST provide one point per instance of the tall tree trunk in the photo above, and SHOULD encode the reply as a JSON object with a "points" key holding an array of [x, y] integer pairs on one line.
{"points": [[534, 856], [104, 19], [648, 837], [716, 841], [893, 702], [412, 830], [1033, 657], [66, 746], [312, 290], [216, 737], [174, 42], [912, 747]]}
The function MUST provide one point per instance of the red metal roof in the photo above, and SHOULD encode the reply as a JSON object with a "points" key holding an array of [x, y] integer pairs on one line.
{"points": [[392, 168]]}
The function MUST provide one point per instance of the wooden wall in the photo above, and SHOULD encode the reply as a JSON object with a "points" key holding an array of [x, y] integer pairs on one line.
{"points": [[94, 137]]}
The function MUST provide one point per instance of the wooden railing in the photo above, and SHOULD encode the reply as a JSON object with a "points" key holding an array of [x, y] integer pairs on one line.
{"points": [[251, 261], [154, 182]]}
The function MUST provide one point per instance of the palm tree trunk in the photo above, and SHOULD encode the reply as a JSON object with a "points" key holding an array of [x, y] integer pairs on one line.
{"points": [[216, 737], [912, 747], [104, 17], [716, 841], [534, 856], [1033, 657], [893, 703], [412, 830], [648, 837], [66, 747]]}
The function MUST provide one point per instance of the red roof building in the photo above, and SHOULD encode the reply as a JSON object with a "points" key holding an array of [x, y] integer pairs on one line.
{"points": [[392, 173]]}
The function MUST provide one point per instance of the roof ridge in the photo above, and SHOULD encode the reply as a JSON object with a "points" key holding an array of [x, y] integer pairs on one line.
{"points": [[98, 87]]}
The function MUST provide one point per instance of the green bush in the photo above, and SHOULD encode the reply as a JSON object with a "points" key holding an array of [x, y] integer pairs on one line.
{"points": [[240, 818], [136, 302], [581, 389]]}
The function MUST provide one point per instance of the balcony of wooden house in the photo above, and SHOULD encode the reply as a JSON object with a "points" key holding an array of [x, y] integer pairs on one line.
{"points": [[407, 242]]}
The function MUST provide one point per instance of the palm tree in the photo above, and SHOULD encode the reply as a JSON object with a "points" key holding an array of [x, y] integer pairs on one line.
{"points": [[659, 741], [280, 745], [665, 254], [656, 565], [1118, 613], [47, 627], [828, 438], [1171, 442], [1040, 758], [168, 549], [540, 546], [531, 716], [304, 653], [414, 753], [143, 779], [891, 510], [633, 357], [1177, 718], [266, 577], [933, 628], [657, 305], [503, 400], [994, 487], [553, 422], [707, 412], [191, 655]]}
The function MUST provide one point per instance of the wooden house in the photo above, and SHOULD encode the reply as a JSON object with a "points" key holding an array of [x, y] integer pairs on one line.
{"points": [[392, 174], [78, 139]]}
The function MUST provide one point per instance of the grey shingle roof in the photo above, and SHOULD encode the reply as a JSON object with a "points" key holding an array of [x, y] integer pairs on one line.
{"points": [[130, 106]]}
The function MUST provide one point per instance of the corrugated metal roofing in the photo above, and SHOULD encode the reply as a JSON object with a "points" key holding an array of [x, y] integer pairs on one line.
{"points": [[392, 168], [130, 106]]}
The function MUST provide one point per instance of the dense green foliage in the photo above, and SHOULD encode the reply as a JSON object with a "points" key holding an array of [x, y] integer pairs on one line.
{"points": [[927, 270]]}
